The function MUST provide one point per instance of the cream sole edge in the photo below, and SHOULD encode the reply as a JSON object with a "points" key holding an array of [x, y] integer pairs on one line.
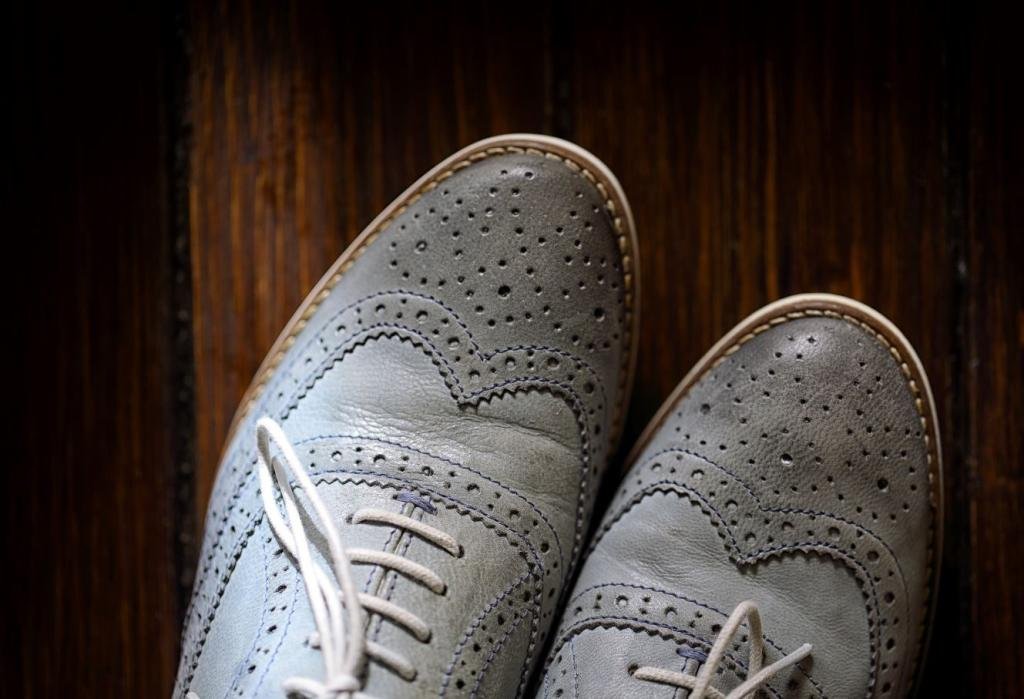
{"points": [[842, 305]]}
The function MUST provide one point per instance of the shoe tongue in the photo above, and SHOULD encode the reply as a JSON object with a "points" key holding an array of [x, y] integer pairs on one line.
{"points": [[342, 500]]}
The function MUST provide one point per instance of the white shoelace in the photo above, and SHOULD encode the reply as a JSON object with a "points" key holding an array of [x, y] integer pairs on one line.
{"points": [[340, 636], [700, 684]]}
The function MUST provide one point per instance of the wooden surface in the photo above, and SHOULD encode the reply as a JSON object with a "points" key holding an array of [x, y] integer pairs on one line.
{"points": [[186, 182], [89, 499]]}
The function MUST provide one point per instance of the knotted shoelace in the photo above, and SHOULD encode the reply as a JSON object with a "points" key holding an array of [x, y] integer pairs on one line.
{"points": [[700, 684], [339, 609]]}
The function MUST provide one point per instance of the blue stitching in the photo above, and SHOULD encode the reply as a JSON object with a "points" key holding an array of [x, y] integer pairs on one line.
{"points": [[575, 670], [391, 585], [259, 629], [416, 501], [538, 560], [475, 624], [760, 506], [325, 326], [450, 462], [493, 653], [284, 630], [780, 510], [483, 357]]}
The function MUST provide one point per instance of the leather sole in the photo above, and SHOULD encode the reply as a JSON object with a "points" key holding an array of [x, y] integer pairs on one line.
{"points": [[899, 347], [572, 155]]}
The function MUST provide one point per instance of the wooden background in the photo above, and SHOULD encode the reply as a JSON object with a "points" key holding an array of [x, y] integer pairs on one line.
{"points": [[180, 175]]}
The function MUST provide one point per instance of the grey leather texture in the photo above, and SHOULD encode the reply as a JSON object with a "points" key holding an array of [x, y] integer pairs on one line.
{"points": [[475, 355], [794, 473]]}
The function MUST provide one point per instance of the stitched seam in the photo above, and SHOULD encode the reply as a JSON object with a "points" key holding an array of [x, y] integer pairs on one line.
{"points": [[501, 388], [493, 653], [474, 625], [236, 680], [356, 477], [626, 255], [450, 462], [575, 670], [496, 525], [757, 499], [284, 631], [481, 355], [325, 476], [391, 577]]}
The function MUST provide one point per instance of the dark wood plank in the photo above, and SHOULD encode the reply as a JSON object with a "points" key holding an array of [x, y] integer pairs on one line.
{"points": [[994, 438], [862, 149], [308, 119], [770, 150], [93, 608]]}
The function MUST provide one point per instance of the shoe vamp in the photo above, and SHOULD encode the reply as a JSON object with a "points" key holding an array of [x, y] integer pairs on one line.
{"points": [[504, 477], [664, 572]]}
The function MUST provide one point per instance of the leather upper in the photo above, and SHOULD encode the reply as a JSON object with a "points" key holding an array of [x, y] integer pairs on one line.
{"points": [[794, 473], [472, 355]]}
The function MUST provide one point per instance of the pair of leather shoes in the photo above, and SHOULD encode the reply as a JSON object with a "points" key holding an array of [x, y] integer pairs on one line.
{"points": [[404, 503]]}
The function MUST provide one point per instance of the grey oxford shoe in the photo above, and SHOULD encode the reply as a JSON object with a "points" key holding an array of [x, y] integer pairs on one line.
{"points": [[780, 526], [408, 479]]}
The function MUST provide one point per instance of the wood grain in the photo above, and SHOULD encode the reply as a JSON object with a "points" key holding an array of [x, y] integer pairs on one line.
{"points": [[872, 150], [993, 441], [308, 120], [89, 497], [768, 152]]}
